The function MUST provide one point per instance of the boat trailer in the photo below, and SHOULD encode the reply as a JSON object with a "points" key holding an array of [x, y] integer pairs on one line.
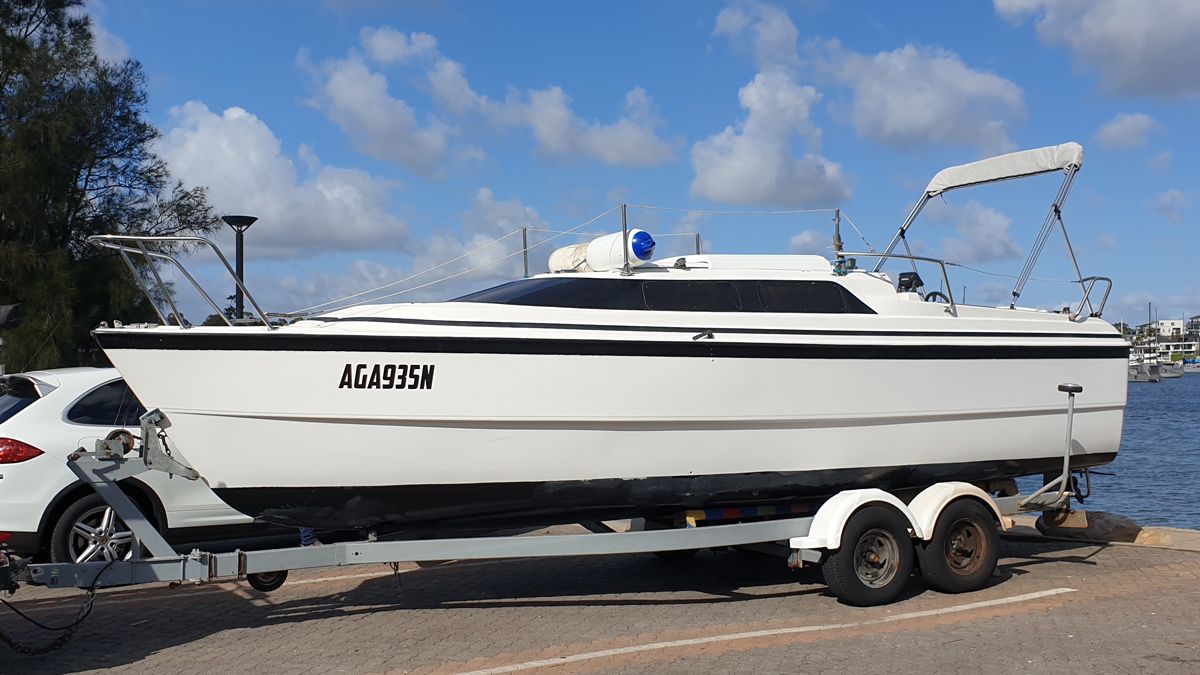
{"points": [[860, 537]]}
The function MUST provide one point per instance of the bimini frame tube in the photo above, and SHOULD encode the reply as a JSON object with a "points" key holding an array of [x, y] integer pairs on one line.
{"points": [[900, 233], [1054, 216]]}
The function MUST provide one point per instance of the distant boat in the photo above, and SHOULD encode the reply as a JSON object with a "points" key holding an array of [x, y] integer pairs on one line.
{"points": [[1144, 372], [1171, 369], [1191, 365]]}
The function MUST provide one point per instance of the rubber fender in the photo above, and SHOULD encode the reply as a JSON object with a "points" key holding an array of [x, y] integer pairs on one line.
{"points": [[933, 500], [827, 525]]}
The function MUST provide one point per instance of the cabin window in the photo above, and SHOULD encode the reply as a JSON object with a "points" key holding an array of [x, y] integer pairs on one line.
{"points": [[580, 293], [809, 297], [796, 297], [110, 405], [692, 296]]}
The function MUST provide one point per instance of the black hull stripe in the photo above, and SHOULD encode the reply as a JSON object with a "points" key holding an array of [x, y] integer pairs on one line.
{"points": [[277, 342], [462, 506], [694, 330]]}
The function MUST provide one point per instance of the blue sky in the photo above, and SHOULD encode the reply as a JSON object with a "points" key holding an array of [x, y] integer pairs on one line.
{"points": [[377, 139]]}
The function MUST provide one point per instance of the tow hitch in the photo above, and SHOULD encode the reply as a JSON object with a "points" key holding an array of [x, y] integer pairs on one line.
{"points": [[11, 568]]}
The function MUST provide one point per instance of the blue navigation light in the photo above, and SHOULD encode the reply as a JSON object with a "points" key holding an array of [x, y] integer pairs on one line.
{"points": [[642, 245]]}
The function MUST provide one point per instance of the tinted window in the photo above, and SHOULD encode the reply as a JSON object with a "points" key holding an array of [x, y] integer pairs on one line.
{"points": [[11, 405], [676, 296], [692, 296], [817, 297], [111, 405], [582, 293]]}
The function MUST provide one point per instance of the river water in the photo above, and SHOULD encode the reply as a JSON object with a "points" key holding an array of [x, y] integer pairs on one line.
{"points": [[1157, 472]]}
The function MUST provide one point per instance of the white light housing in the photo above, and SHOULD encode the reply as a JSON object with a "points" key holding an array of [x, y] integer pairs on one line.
{"points": [[605, 253]]}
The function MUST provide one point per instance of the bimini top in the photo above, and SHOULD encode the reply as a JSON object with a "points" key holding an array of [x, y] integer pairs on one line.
{"points": [[1006, 167]]}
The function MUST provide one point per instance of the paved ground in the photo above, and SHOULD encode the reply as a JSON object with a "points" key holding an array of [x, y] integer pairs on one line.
{"points": [[1055, 606]]}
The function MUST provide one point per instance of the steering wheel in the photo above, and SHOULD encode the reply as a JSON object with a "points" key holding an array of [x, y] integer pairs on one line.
{"points": [[936, 296]]}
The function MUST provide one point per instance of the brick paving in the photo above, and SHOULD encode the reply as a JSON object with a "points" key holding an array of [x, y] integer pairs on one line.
{"points": [[1113, 609]]}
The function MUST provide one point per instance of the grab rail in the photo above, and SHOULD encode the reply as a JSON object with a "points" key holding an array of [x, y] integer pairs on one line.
{"points": [[109, 241], [953, 308], [1087, 292]]}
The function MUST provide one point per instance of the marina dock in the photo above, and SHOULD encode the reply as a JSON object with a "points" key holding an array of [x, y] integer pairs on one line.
{"points": [[1053, 605]]}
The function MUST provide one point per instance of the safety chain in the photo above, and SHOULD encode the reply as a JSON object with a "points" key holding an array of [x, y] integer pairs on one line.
{"points": [[68, 631]]}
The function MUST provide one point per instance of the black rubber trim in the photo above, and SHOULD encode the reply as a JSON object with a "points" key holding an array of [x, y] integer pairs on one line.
{"points": [[273, 342], [510, 504]]}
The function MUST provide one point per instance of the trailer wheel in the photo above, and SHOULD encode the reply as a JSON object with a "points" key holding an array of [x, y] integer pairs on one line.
{"points": [[678, 556], [267, 581], [875, 559], [962, 554]]}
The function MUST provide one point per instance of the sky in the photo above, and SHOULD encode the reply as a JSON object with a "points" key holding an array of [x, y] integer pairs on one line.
{"points": [[379, 140]]}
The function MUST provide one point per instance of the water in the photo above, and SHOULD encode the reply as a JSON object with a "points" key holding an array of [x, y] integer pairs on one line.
{"points": [[1158, 468]]}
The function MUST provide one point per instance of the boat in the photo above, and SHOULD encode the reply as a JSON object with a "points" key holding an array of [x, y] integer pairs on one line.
{"points": [[1145, 372], [640, 388], [1171, 369], [1191, 365]]}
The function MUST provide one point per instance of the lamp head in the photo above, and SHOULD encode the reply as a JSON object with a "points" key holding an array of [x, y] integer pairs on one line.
{"points": [[239, 223]]}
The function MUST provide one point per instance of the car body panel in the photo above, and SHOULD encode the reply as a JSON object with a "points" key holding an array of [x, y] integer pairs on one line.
{"points": [[31, 492]]}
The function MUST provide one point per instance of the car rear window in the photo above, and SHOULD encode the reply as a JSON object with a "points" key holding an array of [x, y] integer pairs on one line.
{"points": [[11, 405], [112, 405], [16, 394]]}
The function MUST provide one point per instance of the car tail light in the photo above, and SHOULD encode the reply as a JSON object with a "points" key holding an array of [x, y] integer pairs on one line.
{"points": [[12, 451], [4, 536]]}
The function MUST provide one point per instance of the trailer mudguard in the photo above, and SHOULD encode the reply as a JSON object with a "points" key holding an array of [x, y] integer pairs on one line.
{"points": [[933, 500], [827, 525]]}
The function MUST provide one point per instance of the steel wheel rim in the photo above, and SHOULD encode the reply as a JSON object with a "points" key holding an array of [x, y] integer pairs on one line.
{"points": [[876, 558], [966, 547], [99, 535]]}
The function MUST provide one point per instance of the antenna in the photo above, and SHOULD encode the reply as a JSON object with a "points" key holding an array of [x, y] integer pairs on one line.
{"points": [[840, 264]]}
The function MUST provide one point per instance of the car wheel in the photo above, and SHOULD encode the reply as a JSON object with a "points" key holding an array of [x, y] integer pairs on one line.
{"points": [[90, 531]]}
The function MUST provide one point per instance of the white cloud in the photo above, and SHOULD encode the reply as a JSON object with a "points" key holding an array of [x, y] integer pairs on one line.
{"points": [[1106, 242], [561, 134], [811, 242], [1125, 131], [388, 45], [916, 95], [1170, 205], [357, 100], [991, 294], [1161, 161], [983, 232], [485, 222], [107, 46], [753, 162], [1139, 48], [241, 161], [356, 97]]}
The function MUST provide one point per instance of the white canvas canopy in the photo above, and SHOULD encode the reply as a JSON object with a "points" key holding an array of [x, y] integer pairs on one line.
{"points": [[1006, 167]]}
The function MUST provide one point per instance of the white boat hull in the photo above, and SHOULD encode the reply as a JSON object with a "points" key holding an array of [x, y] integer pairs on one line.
{"points": [[618, 426]]}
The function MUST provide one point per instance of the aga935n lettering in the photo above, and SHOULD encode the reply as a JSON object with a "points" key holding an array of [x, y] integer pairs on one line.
{"points": [[387, 376]]}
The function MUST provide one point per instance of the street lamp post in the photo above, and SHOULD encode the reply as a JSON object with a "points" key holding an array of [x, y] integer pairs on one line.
{"points": [[239, 224]]}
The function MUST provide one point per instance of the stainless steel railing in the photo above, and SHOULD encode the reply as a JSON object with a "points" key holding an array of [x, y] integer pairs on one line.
{"points": [[952, 309], [117, 242]]}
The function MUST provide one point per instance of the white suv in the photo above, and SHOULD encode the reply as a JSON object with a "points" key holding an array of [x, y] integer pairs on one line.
{"points": [[46, 511]]}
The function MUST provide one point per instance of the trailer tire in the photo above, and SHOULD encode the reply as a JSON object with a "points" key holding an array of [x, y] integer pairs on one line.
{"points": [[677, 556], [266, 581], [874, 561], [962, 554]]}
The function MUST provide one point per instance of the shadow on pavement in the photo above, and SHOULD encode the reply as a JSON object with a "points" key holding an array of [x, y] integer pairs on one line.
{"points": [[119, 635]]}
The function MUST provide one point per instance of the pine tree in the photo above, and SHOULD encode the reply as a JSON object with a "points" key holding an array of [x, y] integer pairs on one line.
{"points": [[76, 160]]}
